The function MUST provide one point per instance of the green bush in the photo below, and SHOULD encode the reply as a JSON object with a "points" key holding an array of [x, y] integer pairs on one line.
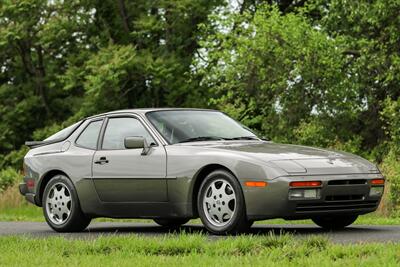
{"points": [[391, 169], [314, 133], [43, 133], [352, 145], [8, 177], [14, 159], [391, 119]]}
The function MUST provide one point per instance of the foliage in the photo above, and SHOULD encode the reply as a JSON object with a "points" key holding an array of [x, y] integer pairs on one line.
{"points": [[43, 133], [61, 60], [313, 133], [8, 177], [36, 39], [391, 168], [390, 115], [283, 71], [370, 30], [293, 71], [14, 159]]}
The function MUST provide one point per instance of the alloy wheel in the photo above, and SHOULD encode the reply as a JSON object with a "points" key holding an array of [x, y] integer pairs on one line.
{"points": [[58, 203], [219, 202]]}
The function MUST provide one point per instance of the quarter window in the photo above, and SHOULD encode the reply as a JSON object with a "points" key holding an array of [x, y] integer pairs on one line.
{"points": [[120, 128], [89, 136]]}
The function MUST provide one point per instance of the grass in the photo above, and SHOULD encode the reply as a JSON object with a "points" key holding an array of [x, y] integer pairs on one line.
{"points": [[193, 250]]}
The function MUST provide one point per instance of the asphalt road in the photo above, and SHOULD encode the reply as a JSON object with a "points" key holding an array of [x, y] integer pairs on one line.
{"points": [[354, 234]]}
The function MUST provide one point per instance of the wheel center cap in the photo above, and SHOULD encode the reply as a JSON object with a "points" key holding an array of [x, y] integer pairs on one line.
{"points": [[218, 202]]}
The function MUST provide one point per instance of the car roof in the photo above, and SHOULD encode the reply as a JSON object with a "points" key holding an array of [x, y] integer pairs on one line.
{"points": [[146, 110]]}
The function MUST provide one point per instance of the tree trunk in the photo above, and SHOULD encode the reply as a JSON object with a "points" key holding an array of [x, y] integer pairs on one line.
{"points": [[124, 16], [37, 74], [40, 77]]}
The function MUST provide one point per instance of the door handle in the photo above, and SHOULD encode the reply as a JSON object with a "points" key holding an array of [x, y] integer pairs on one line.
{"points": [[101, 161]]}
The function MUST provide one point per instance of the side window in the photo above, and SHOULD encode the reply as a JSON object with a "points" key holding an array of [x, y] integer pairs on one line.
{"points": [[88, 138], [119, 128]]}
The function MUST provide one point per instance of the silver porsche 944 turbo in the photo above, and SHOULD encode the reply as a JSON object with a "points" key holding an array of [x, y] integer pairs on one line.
{"points": [[172, 165]]}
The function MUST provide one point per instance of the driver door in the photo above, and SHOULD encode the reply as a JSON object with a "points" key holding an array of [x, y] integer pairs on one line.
{"points": [[125, 175]]}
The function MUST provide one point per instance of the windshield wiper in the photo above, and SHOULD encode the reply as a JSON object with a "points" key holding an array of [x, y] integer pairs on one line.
{"points": [[211, 138], [202, 138], [244, 138]]}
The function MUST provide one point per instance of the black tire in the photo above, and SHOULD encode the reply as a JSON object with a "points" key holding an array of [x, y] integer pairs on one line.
{"points": [[238, 223], [335, 222], [77, 220], [171, 223], [250, 224]]}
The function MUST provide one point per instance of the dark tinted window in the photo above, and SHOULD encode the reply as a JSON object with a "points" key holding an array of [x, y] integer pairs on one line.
{"points": [[119, 128], [89, 136]]}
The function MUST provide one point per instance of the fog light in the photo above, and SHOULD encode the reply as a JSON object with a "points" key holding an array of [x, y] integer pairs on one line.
{"points": [[296, 194], [376, 191]]}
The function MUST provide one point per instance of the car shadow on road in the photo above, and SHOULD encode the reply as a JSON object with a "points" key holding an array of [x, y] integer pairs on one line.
{"points": [[199, 229]]}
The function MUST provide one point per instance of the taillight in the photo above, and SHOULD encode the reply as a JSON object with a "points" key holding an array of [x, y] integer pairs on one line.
{"points": [[30, 183]]}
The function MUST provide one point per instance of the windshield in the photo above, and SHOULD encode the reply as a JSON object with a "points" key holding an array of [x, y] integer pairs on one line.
{"points": [[178, 126]]}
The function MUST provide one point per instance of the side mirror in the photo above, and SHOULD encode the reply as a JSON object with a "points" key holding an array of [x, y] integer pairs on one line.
{"points": [[134, 142]]}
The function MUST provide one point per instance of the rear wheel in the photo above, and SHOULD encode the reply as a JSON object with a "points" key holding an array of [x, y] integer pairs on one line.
{"points": [[335, 222], [220, 204], [61, 207], [173, 223]]}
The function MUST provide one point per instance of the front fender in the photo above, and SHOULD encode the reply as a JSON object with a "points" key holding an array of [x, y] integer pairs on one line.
{"points": [[185, 163]]}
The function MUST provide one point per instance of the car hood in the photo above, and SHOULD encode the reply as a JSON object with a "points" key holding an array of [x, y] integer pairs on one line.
{"points": [[295, 159]]}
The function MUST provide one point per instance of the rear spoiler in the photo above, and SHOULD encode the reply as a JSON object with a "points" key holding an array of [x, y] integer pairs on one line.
{"points": [[32, 144]]}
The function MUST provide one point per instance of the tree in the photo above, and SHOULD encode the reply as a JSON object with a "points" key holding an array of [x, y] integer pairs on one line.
{"points": [[279, 72], [62, 60], [371, 31], [36, 38]]}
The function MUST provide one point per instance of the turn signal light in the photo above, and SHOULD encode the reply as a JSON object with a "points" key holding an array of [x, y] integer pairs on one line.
{"points": [[305, 184], [256, 184], [378, 181]]}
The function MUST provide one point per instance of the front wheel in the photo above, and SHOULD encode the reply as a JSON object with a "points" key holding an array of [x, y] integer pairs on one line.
{"points": [[220, 204], [61, 206], [335, 222]]}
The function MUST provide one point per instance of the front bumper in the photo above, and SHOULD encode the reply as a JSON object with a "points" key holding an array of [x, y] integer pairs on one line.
{"points": [[340, 195]]}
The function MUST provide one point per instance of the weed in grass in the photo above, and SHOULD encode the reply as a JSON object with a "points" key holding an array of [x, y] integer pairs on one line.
{"points": [[276, 241], [317, 243]]}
